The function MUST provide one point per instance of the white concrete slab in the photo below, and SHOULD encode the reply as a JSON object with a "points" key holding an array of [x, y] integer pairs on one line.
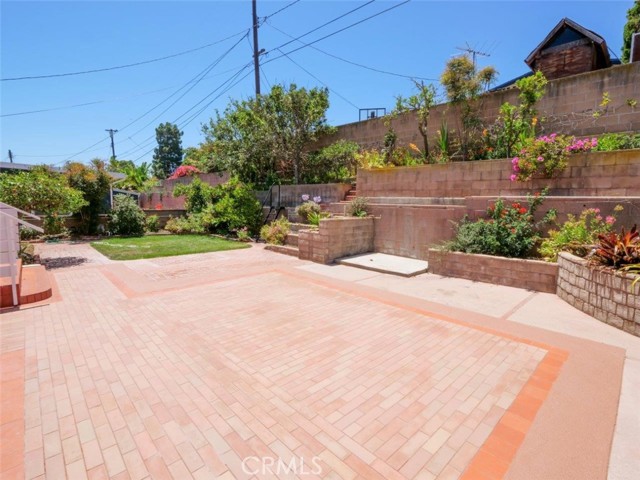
{"points": [[384, 263]]}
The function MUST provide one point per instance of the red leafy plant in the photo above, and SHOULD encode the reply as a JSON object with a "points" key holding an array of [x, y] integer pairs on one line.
{"points": [[618, 249]]}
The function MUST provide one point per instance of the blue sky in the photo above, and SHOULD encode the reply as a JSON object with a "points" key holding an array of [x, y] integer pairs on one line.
{"points": [[415, 39]]}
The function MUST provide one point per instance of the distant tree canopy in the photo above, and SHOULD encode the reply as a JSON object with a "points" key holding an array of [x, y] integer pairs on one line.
{"points": [[94, 183], [632, 26], [264, 139], [167, 156]]}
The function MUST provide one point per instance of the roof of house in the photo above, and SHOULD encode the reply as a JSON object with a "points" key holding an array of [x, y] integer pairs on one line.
{"points": [[556, 36]]}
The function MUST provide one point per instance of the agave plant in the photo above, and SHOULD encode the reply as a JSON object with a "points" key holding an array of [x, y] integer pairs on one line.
{"points": [[618, 250]]}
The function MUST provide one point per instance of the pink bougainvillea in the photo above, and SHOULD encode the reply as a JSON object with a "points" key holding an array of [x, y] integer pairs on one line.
{"points": [[184, 171]]}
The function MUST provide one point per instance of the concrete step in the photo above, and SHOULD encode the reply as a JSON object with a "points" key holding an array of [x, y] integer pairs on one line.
{"points": [[384, 263], [36, 284], [6, 295], [292, 240], [350, 198], [296, 227], [287, 250]]}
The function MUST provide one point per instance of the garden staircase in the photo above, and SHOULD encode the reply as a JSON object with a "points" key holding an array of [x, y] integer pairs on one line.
{"points": [[290, 246], [19, 284]]}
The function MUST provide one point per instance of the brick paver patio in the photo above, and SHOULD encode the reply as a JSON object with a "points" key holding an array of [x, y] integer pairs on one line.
{"points": [[203, 366]]}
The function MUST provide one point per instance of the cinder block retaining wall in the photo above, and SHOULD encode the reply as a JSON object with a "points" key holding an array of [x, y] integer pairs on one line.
{"points": [[568, 105], [588, 174], [163, 195], [514, 272], [599, 293], [291, 195], [337, 237]]}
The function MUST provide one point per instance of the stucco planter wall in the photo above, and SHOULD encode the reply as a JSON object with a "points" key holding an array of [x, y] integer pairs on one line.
{"points": [[599, 292], [513, 272], [335, 238]]}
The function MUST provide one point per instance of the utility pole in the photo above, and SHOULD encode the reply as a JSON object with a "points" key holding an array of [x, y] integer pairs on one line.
{"points": [[256, 53], [10, 156], [473, 52], [113, 148]]}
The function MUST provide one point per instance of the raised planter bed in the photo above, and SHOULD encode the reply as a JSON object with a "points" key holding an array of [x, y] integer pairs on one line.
{"points": [[513, 272], [599, 292], [337, 237]]}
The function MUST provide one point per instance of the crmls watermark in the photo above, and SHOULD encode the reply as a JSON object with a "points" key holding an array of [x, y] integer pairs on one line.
{"points": [[278, 466]]}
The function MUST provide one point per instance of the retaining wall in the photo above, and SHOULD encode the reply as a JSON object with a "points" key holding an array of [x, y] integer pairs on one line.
{"points": [[568, 106], [513, 272], [600, 293], [335, 238]]}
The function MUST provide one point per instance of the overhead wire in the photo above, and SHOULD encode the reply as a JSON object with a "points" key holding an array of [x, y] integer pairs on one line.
{"points": [[118, 67], [386, 72], [323, 83]]}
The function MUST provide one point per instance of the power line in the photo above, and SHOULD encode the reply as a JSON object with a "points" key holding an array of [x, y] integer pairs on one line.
{"points": [[386, 72], [282, 9], [336, 32], [144, 62], [324, 25], [312, 75]]}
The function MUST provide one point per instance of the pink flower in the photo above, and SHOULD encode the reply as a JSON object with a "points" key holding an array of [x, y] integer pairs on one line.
{"points": [[305, 198], [610, 220], [513, 177], [597, 210], [540, 159]]}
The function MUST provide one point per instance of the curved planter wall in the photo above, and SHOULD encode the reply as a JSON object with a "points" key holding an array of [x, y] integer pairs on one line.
{"points": [[599, 293]]}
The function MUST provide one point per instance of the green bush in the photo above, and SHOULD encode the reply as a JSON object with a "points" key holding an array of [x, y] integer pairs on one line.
{"points": [[306, 209], [510, 230], [335, 163], [234, 207], [315, 217], [54, 225], [275, 232], [618, 141], [198, 195], [193, 223], [359, 207], [577, 235], [127, 218], [152, 223], [28, 233]]}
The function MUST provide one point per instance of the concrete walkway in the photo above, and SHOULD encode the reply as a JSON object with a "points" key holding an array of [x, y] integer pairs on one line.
{"points": [[250, 364]]}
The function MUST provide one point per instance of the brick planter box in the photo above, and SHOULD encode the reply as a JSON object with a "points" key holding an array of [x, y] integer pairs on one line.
{"points": [[513, 272], [336, 237], [599, 292]]}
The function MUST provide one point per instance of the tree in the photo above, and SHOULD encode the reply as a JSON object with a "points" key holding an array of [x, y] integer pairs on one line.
{"points": [[94, 182], [167, 156], [265, 139], [463, 85], [632, 26], [204, 157], [420, 102], [41, 190], [137, 177]]}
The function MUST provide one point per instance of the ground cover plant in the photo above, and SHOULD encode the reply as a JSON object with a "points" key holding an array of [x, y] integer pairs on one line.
{"points": [[276, 232], [162, 246], [509, 230]]}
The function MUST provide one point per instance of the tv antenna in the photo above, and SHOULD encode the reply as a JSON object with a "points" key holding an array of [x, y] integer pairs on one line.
{"points": [[473, 52]]}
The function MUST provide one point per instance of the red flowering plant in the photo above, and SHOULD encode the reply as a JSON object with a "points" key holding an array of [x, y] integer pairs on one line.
{"points": [[546, 155], [184, 171], [509, 231]]}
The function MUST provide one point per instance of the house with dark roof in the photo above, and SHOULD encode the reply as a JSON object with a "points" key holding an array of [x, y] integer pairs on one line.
{"points": [[569, 49]]}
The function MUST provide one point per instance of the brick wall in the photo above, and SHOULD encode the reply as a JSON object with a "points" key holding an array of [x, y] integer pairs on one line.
{"points": [[568, 105], [513, 272], [612, 174], [163, 195], [336, 237], [599, 293]]}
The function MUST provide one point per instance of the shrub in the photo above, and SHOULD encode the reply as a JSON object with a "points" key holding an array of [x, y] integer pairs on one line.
{"points": [[359, 207], [243, 235], [315, 217], [306, 209], [184, 171], [127, 218], [152, 223], [618, 250], [234, 207], [370, 159], [275, 232], [28, 233], [510, 230], [194, 223], [577, 235], [198, 195], [546, 155], [54, 225], [335, 163], [618, 141], [94, 182]]}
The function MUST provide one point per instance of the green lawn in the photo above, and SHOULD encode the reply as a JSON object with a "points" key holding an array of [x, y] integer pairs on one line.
{"points": [[162, 246]]}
